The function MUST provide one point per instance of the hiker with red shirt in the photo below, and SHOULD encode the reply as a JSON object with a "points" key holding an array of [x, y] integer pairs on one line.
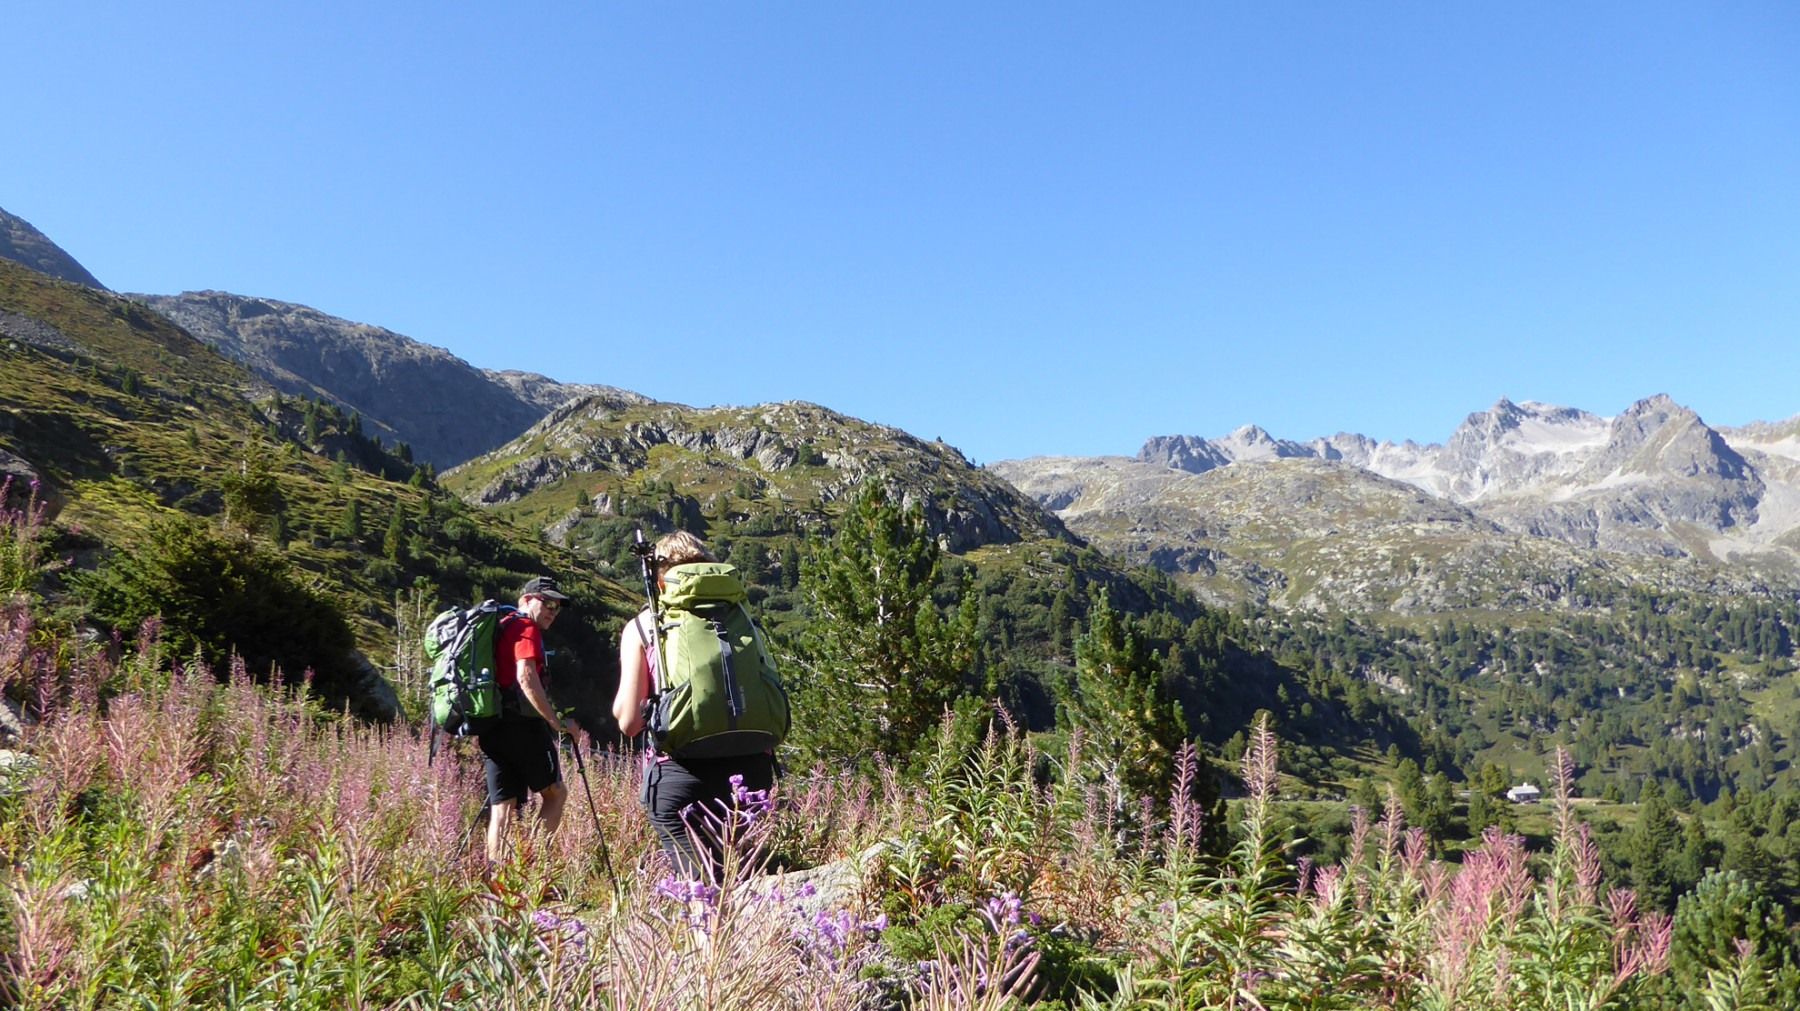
{"points": [[519, 753]]}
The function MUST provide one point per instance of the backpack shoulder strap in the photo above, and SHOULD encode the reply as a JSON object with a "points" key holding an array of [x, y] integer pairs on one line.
{"points": [[756, 634], [646, 646]]}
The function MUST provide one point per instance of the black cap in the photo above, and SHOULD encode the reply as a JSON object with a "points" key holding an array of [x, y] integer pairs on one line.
{"points": [[542, 586]]}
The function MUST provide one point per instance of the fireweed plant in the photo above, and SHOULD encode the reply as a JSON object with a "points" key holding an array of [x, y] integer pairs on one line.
{"points": [[22, 558], [171, 839]]}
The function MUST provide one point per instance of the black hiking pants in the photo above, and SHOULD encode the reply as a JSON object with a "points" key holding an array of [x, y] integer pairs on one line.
{"points": [[674, 791]]}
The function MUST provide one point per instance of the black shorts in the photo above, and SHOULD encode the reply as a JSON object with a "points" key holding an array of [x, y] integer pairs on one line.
{"points": [[672, 788], [521, 758]]}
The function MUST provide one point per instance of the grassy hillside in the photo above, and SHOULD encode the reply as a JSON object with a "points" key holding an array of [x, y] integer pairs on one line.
{"points": [[774, 467], [130, 422]]}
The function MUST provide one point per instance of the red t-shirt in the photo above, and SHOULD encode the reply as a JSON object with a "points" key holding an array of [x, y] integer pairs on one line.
{"points": [[519, 639]]}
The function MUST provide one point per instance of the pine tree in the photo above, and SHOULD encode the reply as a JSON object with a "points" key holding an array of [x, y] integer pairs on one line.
{"points": [[751, 560], [1722, 910], [309, 413], [349, 526], [1060, 621], [876, 662], [1653, 848], [1132, 725], [250, 489], [395, 540], [790, 566]]}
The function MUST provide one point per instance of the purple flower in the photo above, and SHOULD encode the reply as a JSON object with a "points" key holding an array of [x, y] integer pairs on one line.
{"points": [[1003, 910], [570, 931], [750, 804], [833, 929], [831, 932], [687, 890]]}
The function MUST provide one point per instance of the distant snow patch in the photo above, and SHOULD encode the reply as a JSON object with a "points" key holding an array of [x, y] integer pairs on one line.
{"points": [[1559, 437]]}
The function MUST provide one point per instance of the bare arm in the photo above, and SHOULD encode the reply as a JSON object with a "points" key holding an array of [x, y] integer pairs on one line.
{"points": [[634, 681], [533, 687]]}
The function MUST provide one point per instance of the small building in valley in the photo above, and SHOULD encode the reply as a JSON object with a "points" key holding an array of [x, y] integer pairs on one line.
{"points": [[1524, 793]]}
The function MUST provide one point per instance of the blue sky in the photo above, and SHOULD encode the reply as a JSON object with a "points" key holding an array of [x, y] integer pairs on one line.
{"points": [[1025, 228]]}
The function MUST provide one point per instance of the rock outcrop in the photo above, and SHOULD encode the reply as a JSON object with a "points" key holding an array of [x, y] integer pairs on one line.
{"points": [[794, 452]]}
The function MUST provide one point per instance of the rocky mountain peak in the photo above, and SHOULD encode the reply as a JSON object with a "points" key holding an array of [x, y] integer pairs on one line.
{"points": [[1512, 446], [1183, 452], [1251, 443], [1654, 480], [1657, 436], [729, 459]]}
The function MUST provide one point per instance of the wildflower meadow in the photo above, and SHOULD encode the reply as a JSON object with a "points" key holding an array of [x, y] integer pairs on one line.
{"points": [[173, 836]]}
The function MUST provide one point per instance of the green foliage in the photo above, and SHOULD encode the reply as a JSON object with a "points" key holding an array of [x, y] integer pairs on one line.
{"points": [[1666, 854], [876, 663], [22, 543], [1725, 920], [1133, 727], [220, 596], [1383, 927], [991, 830], [250, 489], [349, 527], [394, 540]]}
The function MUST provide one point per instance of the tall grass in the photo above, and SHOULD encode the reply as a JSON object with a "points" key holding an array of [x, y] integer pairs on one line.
{"points": [[190, 841]]}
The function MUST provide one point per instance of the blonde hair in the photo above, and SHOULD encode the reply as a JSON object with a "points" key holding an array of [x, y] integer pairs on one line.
{"points": [[681, 548]]}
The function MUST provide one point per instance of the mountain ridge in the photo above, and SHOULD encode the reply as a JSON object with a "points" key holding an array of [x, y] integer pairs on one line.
{"points": [[406, 390], [24, 244], [1652, 485], [796, 452]]}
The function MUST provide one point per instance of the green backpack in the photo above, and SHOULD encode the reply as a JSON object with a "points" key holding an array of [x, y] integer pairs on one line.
{"points": [[720, 696], [460, 644]]}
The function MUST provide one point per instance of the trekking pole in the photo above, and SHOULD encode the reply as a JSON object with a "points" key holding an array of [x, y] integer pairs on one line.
{"points": [[646, 554], [480, 817], [599, 831]]}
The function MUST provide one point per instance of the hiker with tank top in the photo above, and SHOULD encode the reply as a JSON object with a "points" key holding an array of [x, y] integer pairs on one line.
{"points": [[674, 788]]}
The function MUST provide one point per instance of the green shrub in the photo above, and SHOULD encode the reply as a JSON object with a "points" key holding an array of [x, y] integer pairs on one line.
{"points": [[221, 595]]}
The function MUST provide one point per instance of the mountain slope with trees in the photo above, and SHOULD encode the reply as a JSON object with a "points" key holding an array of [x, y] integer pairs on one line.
{"points": [[178, 480]]}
